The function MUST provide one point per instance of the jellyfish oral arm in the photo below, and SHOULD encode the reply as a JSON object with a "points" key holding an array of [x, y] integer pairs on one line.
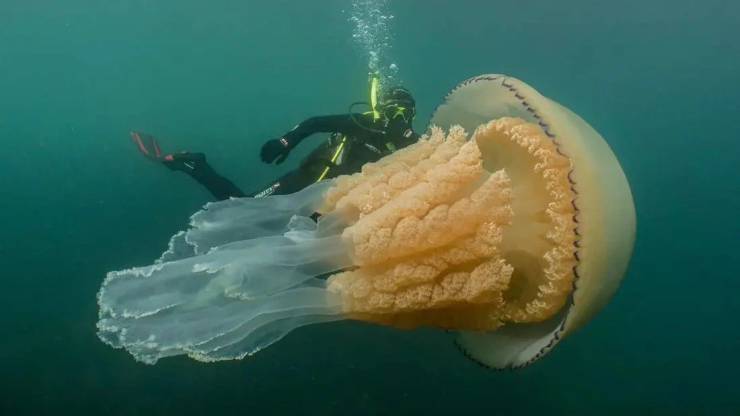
{"points": [[219, 296]]}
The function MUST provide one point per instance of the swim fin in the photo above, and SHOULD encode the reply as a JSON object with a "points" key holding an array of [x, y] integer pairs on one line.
{"points": [[147, 145], [182, 161]]}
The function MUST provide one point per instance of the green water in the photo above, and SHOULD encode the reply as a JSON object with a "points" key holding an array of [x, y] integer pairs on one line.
{"points": [[659, 79]]}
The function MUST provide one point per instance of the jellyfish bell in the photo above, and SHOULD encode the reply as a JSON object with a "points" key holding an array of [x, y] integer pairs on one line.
{"points": [[604, 213], [512, 223]]}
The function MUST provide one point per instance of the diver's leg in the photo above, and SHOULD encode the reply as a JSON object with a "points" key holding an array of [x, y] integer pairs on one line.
{"points": [[289, 183], [195, 165]]}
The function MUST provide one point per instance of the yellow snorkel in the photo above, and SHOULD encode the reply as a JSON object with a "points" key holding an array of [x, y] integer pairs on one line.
{"points": [[400, 111], [376, 112], [374, 85]]}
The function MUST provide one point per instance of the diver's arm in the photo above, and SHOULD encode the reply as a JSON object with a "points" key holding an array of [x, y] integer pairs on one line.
{"points": [[278, 149], [340, 123]]}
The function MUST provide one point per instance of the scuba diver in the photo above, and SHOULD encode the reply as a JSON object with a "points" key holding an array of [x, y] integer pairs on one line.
{"points": [[356, 139]]}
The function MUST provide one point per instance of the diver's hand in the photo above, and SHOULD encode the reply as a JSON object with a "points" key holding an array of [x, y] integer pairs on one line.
{"points": [[275, 150]]}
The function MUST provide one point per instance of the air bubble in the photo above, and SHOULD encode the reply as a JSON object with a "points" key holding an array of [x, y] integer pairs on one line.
{"points": [[372, 34]]}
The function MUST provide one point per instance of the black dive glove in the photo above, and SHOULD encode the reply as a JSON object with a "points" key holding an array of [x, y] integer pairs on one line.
{"points": [[275, 150]]}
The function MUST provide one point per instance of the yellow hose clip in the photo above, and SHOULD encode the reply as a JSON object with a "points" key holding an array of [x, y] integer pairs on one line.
{"points": [[333, 158]]}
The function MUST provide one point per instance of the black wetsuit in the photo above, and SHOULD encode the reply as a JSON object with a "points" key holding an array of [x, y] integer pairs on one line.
{"points": [[362, 140]]}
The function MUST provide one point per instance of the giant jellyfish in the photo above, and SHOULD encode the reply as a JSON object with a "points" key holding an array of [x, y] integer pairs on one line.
{"points": [[511, 223]]}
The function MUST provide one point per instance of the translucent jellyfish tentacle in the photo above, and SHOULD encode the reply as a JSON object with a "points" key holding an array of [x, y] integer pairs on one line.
{"points": [[237, 219], [201, 331], [225, 302]]}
